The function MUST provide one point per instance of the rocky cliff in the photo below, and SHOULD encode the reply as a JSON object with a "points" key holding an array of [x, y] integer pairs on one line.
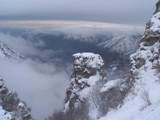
{"points": [[88, 72], [143, 101]]}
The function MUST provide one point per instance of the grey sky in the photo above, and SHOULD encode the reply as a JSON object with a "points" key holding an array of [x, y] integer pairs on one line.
{"points": [[117, 11]]}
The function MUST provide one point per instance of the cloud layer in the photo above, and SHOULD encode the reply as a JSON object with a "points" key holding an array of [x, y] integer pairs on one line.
{"points": [[121, 11], [41, 85]]}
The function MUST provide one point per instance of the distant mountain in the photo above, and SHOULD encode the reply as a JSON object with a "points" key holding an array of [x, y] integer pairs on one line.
{"points": [[123, 39]]}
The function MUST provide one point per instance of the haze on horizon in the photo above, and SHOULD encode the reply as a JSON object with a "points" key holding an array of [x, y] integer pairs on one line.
{"points": [[115, 11]]}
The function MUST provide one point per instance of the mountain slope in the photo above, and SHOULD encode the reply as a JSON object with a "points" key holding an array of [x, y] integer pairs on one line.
{"points": [[143, 102]]}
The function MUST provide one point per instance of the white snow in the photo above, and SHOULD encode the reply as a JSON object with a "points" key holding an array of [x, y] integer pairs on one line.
{"points": [[90, 59], [110, 84], [87, 94], [5, 115], [92, 82], [87, 62], [155, 22], [143, 103], [21, 105]]}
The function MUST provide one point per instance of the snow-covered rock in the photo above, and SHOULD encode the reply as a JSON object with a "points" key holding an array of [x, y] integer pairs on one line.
{"points": [[90, 60], [143, 100], [11, 107], [123, 43], [88, 70], [4, 115], [155, 23], [152, 31], [145, 93]]}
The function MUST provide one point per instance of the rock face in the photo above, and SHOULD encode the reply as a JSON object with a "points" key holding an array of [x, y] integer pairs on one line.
{"points": [[88, 70], [143, 101], [157, 7], [152, 31]]}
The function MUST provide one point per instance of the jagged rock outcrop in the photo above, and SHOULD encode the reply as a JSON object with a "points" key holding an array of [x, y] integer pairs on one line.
{"points": [[152, 31], [88, 70]]}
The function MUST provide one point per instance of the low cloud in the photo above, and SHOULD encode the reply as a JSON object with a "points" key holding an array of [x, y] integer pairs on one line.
{"points": [[41, 85]]}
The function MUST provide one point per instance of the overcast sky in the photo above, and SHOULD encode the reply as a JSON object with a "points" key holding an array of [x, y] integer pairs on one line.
{"points": [[117, 11]]}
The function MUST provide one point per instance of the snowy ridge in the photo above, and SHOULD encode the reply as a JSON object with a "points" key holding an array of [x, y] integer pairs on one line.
{"points": [[143, 101], [6, 52], [118, 38], [123, 43], [145, 94], [153, 28]]}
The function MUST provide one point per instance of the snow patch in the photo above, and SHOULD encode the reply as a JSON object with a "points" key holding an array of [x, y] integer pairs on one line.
{"points": [[110, 84], [4, 115], [155, 23], [89, 59]]}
